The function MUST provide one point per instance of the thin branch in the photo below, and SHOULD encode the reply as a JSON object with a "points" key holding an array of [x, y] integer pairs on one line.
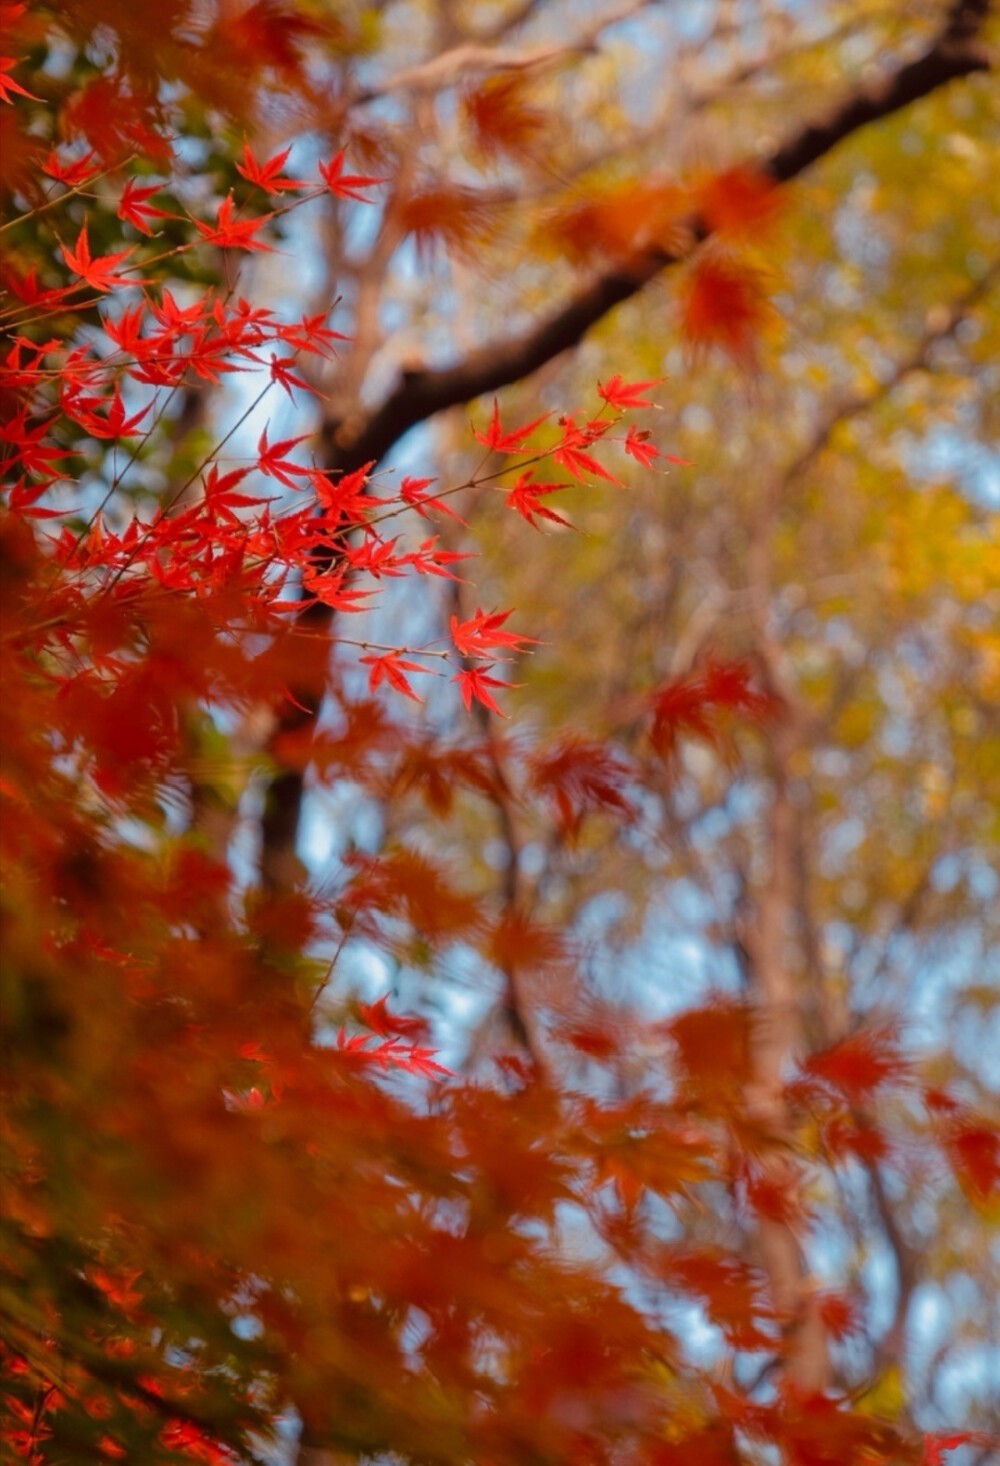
{"points": [[907, 1272], [460, 62], [502, 28]]}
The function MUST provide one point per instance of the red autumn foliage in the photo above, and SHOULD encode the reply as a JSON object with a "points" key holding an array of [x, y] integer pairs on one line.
{"points": [[725, 303], [227, 1202], [860, 1064], [704, 704], [740, 202], [579, 778], [502, 119], [621, 221]]}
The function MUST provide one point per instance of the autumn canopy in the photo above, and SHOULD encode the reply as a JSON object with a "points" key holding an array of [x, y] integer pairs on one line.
{"points": [[501, 757]]}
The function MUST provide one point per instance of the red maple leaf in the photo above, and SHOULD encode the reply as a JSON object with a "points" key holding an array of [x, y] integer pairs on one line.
{"points": [[310, 334], [501, 119], [392, 666], [117, 115], [510, 442], [281, 372], [8, 84], [175, 317], [33, 453], [347, 497], [219, 496], [724, 303], [27, 288], [580, 777], [378, 1018], [429, 559], [699, 705], [114, 424], [569, 452], [133, 208], [346, 185], [621, 395], [100, 273], [526, 497], [271, 462], [267, 175], [230, 233], [475, 682], [638, 446], [477, 636], [422, 1061], [859, 1064], [332, 589], [411, 491], [73, 173]]}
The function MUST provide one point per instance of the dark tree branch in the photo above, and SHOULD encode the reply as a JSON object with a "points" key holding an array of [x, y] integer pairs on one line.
{"points": [[956, 51]]}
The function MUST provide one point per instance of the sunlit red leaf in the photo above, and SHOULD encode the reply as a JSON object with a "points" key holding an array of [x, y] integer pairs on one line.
{"points": [[513, 439], [229, 232], [346, 185], [624, 395], [100, 273], [475, 684], [390, 1025], [481, 634], [9, 88], [412, 492], [71, 172], [268, 175], [571, 453], [525, 498], [638, 446], [393, 668], [134, 208]]}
